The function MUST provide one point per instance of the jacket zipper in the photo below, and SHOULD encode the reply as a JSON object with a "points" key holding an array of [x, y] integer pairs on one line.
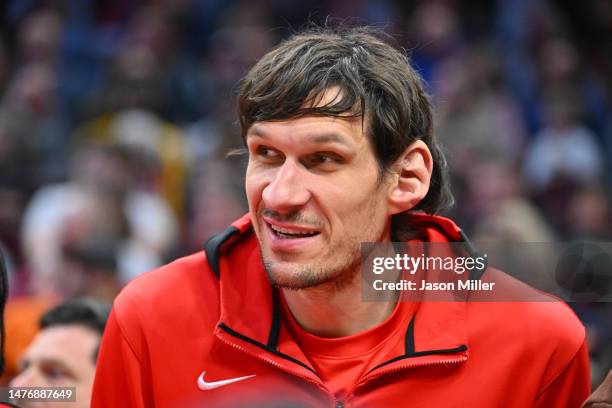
{"points": [[383, 371], [281, 367], [337, 403]]}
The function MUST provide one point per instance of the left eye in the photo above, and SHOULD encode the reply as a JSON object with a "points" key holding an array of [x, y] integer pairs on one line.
{"points": [[268, 155], [266, 152], [53, 372], [319, 159]]}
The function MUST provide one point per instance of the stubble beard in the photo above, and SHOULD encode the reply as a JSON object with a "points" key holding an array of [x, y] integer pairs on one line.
{"points": [[337, 270], [321, 274], [313, 275]]}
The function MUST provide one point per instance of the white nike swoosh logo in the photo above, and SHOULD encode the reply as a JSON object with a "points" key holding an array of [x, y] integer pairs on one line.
{"points": [[206, 386]]}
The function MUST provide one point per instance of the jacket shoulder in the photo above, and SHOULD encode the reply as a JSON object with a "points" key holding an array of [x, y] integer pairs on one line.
{"points": [[544, 317], [554, 338], [547, 333], [553, 322], [169, 291], [183, 291]]}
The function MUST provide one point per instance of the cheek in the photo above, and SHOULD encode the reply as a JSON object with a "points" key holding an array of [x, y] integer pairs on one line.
{"points": [[371, 216], [361, 190], [254, 185], [357, 204]]}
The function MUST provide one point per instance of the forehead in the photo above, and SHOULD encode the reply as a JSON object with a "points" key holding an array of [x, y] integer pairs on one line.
{"points": [[338, 133], [345, 128], [73, 345]]}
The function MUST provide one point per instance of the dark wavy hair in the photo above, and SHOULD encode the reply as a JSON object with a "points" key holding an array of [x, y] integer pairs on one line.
{"points": [[377, 83], [87, 312]]}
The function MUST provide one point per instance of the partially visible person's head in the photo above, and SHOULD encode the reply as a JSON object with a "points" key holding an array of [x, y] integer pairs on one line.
{"points": [[39, 36], [64, 352], [340, 138]]}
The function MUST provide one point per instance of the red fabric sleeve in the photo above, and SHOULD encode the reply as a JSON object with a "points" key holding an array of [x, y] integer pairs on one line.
{"points": [[121, 380], [571, 386]]}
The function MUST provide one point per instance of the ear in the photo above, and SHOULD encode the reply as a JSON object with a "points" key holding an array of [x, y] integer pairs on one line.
{"points": [[412, 174]]}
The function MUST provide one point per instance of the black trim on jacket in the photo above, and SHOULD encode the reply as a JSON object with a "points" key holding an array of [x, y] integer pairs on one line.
{"points": [[213, 247], [213, 253]]}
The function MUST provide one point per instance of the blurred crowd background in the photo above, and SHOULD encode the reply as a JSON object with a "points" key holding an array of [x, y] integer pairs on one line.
{"points": [[116, 117]]}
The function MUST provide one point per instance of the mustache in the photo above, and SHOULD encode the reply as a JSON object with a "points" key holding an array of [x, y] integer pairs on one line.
{"points": [[295, 217]]}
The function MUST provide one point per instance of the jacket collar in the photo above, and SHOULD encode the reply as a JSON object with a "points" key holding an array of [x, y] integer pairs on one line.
{"points": [[250, 313]]}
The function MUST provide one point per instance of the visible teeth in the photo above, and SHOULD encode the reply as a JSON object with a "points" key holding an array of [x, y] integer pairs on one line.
{"points": [[286, 231]]}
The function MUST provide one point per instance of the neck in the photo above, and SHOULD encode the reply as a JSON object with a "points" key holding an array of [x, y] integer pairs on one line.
{"points": [[331, 311]]}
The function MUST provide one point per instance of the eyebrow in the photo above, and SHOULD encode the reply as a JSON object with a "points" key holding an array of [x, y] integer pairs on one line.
{"points": [[25, 363], [318, 138], [56, 362], [327, 138]]}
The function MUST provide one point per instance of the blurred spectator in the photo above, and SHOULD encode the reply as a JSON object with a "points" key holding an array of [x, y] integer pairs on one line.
{"points": [[216, 200], [588, 218], [596, 320], [64, 352], [150, 72], [501, 211], [154, 153], [106, 204], [564, 147], [434, 31], [39, 37], [588, 214], [232, 50], [477, 116], [564, 155], [34, 90], [31, 102], [602, 396], [560, 68]]}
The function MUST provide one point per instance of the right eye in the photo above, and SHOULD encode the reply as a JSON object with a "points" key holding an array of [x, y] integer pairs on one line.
{"points": [[53, 372], [268, 154]]}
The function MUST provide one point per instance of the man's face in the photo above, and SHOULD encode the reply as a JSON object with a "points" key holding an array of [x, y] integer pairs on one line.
{"points": [[60, 356], [314, 195]]}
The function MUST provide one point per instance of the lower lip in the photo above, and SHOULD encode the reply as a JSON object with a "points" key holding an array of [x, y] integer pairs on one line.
{"points": [[287, 244]]}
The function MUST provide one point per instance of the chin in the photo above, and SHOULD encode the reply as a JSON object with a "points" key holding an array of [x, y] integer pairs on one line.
{"points": [[289, 275]]}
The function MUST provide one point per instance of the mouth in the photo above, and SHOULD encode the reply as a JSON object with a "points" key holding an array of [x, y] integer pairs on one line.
{"points": [[291, 233], [285, 237]]}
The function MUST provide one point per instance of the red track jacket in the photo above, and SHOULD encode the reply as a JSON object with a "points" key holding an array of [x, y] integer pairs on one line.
{"points": [[206, 330]]}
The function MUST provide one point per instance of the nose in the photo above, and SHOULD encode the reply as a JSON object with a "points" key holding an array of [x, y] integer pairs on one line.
{"points": [[287, 191]]}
